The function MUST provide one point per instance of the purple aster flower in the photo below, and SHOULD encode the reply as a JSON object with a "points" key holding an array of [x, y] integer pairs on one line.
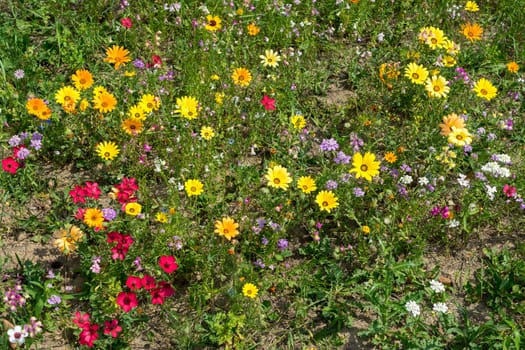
{"points": [[331, 185], [356, 142], [54, 299], [14, 141], [36, 144], [282, 244], [23, 153], [261, 222], [491, 136], [329, 145], [406, 168], [138, 63], [342, 158], [19, 73], [345, 177], [358, 192], [259, 263], [275, 226], [109, 214], [264, 241]]}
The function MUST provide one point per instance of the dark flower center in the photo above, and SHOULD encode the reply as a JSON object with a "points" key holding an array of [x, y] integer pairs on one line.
{"points": [[364, 167]]}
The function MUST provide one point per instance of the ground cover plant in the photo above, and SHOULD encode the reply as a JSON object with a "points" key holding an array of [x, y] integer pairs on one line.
{"points": [[264, 174]]}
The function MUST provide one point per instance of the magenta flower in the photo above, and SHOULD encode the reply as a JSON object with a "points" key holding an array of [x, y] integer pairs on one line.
{"points": [[268, 103], [168, 263], [112, 327], [127, 301]]}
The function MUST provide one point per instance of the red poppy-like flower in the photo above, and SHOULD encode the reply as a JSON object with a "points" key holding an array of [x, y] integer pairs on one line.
{"points": [[510, 191], [156, 297], [127, 300], [112, 327], [168, 264], [10, 165], [88, 335], [134, 282], [126, 22], [148, 282], [268, 103]]}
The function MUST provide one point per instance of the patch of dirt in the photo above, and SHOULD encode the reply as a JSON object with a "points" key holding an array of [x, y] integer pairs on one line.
{"points": [[337, 96]]}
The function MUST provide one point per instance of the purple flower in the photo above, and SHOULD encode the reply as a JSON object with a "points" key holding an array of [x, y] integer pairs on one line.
{"points": [[259, 263], [23, 153], [356, 142], [261, 222], [282, 244], [329, 145], [406, 168], [54, 300], [138, 63], [264, 241], [19, 73], [109, 214], [14, 141], [342, 158], [50, 274], [331, 185], [358, 192]]}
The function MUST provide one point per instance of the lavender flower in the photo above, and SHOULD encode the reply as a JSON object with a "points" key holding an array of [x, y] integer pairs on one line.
{"points": [[14, 141], [23, 153], [342, 158], [54, 299], [356, 142], [19, 74], [264, 241], [331, 185], [358, 192], [138, 63], [109, 214], [329, 145], [282, 244]]}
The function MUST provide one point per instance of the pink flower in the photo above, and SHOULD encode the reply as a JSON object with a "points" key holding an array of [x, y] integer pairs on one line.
{"points": [[165, 289], [148, 282], [127, 301], [126, 22], [134, 282], [91, 190], [80, 213], [10, 165], [112, 327], [510, 191], [78, 194], [168, 264], [88, 335], [268, 103], [156, 297], [157, 61], [81, 320]]}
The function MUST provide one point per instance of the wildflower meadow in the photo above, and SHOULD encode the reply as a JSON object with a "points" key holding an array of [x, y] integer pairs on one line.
{"points": [[262, 174]]}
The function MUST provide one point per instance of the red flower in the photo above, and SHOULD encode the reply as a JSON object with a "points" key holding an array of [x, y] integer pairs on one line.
{"points": [[78, 194], [88, 335], [165, 289], [127, 301], [91, 190], [81, 320], [156, 297], [510, 191], [168, 264], [80, 213], [157, 61], [10, 165], [112, 327], [126, 22], [148, 282], [268, 103], [134, 282]]}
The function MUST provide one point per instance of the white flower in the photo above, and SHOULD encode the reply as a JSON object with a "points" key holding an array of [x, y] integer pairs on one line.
{"points": [[453, 223], [380, 37], [413, 308], [422, 181], [440, 307], [437, 286], [494, 169], [463, 181], [491, 190], [17, 335], [406, 179], [502, 158]]}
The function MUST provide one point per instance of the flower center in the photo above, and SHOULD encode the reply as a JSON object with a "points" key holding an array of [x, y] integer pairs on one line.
{"points": [[193, 189], [415, 76], [459, 137], [82, 81], [276, 181], [470, 34], [437, 88], [104, 104], [483, 91], [364, 167], [107, 154], [226, 231], [213, 23], [67, 98], [433, 41], [324, 204]]}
